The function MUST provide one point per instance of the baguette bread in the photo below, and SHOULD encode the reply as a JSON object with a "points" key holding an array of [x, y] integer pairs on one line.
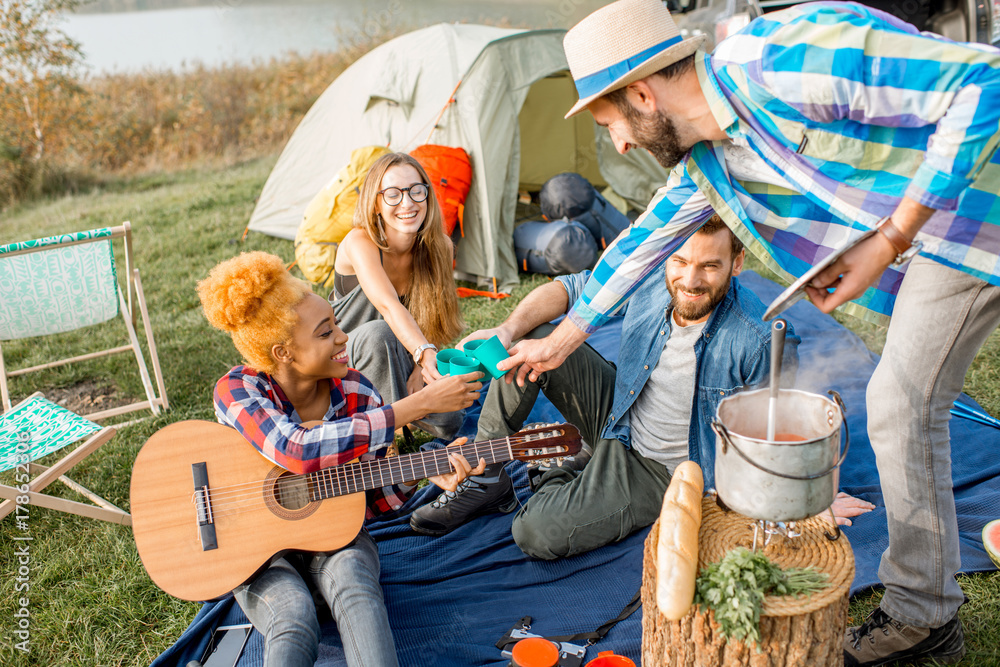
{"points": [[677, 547]]}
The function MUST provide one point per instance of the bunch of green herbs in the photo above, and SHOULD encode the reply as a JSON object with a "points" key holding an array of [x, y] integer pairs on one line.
{"points": [[735, 587]]}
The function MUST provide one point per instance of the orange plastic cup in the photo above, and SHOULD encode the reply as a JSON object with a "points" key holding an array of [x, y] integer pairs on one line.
{"points": [[535, 652], [609, 659]]}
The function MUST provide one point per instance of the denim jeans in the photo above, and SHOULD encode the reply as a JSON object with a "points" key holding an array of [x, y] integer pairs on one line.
{"points": [[941, 318], [280, 605], [617, 493]]}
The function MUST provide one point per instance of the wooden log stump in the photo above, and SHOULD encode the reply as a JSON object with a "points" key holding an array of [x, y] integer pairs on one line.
{"points": [[805, 631]]}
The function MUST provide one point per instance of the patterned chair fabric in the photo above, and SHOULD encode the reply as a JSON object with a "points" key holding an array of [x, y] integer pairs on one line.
{"points": [[38, 427], [57, 290]]}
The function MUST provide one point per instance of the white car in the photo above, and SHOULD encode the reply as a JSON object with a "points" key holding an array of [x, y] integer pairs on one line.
{"points": [[959, 20]]}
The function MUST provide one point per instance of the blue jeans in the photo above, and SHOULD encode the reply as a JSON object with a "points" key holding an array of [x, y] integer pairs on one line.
{"points": [[280, 606], [941, 318]]}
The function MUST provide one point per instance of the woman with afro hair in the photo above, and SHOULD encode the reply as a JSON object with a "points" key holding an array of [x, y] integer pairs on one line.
{"points": [[296, 370]]}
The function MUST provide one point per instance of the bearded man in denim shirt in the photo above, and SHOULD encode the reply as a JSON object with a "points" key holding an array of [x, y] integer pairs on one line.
{"points": [[691, 336]]}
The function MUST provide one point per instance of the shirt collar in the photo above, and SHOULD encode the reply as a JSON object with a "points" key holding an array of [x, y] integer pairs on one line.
{"points": [[717, 102]]}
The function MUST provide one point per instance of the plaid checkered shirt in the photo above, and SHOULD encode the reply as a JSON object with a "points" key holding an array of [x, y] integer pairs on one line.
{"points": [[357, 425], [834, 112]]}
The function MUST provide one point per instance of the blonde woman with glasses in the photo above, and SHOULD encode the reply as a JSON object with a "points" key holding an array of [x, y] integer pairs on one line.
{"points": [[394, 291]]}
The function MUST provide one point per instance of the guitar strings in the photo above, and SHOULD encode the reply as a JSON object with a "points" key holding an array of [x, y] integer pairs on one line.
{"points": [[497, 445], [224, 499], [239, 503]]}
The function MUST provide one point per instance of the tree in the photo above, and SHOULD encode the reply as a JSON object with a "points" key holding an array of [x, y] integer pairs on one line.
{"points": [[38, 68]]}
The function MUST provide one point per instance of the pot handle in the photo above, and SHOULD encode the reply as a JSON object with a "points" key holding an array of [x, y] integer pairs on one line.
{"points": [[727, 442]]}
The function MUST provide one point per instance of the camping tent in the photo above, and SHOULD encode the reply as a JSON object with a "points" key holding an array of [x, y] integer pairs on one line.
{"points": [[511, 89]]}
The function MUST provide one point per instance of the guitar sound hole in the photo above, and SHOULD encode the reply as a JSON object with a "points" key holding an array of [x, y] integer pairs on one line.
{"points": [[292, 492]]}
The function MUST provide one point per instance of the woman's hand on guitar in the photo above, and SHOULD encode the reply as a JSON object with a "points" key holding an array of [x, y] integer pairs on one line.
{"points": [[462, 469]]}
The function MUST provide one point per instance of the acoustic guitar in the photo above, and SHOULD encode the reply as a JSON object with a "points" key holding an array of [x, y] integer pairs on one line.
{"points": [[209, 511]]}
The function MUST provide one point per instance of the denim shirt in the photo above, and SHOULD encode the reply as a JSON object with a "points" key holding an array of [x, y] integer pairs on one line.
{"points": [[733, 353]]}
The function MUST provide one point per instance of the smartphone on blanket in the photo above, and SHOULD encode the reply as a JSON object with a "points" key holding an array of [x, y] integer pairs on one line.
{"points": [[226, 645]]}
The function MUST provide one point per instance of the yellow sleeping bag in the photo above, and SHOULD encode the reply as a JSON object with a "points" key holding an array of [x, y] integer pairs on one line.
{"points": [[330, 215]]}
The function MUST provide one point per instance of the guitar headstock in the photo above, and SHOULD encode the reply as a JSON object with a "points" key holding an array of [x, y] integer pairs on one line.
{"points": [[545, 442]]}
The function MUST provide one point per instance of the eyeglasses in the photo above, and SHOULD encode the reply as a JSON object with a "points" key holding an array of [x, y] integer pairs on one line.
{"points": [[394, 196]]}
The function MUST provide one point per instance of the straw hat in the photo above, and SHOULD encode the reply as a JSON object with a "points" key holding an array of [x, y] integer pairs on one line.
{"points": [[621, 43]]}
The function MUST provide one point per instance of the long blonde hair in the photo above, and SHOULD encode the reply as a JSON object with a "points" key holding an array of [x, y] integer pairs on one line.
{"points": [[433, 302]]}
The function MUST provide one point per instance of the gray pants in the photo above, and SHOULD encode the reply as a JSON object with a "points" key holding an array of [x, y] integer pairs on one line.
{"points": [[280, 605], [941, 318], [617, 493], [377, 354]]}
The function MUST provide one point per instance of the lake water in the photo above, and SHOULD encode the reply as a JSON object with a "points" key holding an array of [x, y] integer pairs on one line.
{"points": [[232, 31]]}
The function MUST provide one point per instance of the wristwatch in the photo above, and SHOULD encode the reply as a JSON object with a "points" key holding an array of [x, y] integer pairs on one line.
{"points": [[905, 251], [419, 352]]}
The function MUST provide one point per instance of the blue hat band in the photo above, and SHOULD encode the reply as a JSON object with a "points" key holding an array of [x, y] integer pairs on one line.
{"points": [[601, 79]]}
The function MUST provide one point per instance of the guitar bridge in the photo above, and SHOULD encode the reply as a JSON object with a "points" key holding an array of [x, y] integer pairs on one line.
{"points": [[203, 506]]}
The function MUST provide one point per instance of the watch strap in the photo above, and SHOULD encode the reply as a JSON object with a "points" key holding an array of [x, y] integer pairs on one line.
{"points": [[893, 235], [419, 352]]}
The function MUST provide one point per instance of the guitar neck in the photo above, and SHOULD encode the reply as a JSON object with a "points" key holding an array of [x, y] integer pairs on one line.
{"points": [[364, 475]]}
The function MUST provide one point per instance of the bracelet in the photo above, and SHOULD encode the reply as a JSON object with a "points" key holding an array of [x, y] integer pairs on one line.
{"points": [[893, 235]]}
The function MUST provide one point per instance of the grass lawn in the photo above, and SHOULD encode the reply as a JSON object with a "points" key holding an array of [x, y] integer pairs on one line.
{"points": [[91, 602]]}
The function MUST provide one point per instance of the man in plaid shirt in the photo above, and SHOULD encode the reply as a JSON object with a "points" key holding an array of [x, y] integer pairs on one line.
{"points": [[803, 131]]}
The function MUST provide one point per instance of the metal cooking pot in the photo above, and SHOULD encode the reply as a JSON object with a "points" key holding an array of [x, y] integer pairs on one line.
{"points": [[779, 480]]}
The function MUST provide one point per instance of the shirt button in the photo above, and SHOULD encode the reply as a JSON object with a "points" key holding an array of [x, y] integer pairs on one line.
{"points": [[662, 333], [631, 392], [396, 507], [646, 367], [722, 393]]}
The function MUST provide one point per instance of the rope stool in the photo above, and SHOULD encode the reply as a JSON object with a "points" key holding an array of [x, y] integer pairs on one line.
{"points": [[794, 631]]}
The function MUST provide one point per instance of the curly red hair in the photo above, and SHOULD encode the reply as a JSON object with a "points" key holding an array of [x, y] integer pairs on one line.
{"points": [[252, 297]]}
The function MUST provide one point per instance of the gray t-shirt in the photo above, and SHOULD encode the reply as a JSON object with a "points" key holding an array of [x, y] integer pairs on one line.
{"points": [[660, 418]]}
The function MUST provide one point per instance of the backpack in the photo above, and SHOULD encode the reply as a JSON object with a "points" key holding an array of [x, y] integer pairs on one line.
{"points": [[330, 215], [450, 172]]}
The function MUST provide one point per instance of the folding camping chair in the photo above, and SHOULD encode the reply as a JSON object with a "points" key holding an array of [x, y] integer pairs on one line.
{"points": [[34, 428], [67, 282]]}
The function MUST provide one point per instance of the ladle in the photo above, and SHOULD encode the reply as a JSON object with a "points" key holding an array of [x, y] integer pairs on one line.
{"points": [[777, 350]]}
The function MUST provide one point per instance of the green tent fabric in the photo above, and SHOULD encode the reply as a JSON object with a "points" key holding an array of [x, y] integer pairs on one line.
{"points": [[511, 89]]}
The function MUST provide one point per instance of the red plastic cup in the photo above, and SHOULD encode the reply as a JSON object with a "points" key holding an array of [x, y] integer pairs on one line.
{"points": [[609, 659], [534, 652]]}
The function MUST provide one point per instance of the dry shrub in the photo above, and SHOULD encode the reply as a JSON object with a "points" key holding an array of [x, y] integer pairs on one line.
{"points": [[161, 120], [103, 127]]}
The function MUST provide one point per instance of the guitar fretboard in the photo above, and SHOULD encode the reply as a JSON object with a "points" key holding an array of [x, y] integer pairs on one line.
{"points": [[364, 475]]}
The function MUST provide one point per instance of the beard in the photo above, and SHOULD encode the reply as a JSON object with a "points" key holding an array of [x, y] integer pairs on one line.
{"points": [[656, 133], [696, 311]]}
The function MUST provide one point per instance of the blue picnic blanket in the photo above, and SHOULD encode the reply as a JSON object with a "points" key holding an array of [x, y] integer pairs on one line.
{"points": [[451, 598]]}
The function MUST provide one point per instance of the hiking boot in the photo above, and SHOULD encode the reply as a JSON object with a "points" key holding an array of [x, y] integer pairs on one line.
{"points": [[881, 640], [475, 496]]}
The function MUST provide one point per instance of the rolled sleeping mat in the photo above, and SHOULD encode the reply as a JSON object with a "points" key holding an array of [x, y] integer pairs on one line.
{"points": [[554, 248]]}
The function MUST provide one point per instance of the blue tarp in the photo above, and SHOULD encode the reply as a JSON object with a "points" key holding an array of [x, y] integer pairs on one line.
{"points": [[451, 598]]}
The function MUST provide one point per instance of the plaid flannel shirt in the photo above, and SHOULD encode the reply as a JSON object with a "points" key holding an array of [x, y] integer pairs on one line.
{"points": [[852, 109], [357, 425]]}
